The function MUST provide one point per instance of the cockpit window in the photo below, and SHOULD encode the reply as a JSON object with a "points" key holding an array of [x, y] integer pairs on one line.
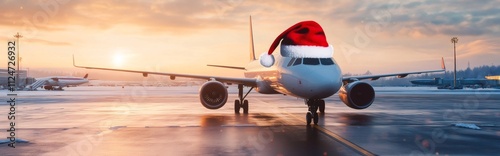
{"points": [[326, 61], [311, 61], [291, 62], [298, 61]]}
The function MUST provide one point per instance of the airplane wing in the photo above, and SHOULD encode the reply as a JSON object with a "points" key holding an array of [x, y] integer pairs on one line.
{"points": [[399, 75], [244, 81]]}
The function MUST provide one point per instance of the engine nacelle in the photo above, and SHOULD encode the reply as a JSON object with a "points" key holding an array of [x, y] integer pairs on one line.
{"points": [[213, 94], [357, 95]]}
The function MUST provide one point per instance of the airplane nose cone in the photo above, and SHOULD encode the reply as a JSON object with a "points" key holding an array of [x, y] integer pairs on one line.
{"points": [[316, 83], [321, 87]]}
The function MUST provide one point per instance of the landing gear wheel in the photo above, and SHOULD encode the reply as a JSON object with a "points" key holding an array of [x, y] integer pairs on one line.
{"points": [[245, 106], [321, 104], [237, 106], [308, 118], [312, 113], [316, 118], [241, 102]]}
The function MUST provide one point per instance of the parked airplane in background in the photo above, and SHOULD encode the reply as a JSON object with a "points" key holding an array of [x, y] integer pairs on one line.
{"points": [[57, 82], [304, 69]]}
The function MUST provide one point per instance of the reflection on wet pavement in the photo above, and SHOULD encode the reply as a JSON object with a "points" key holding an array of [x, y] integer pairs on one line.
{"points": [[170, 121]]}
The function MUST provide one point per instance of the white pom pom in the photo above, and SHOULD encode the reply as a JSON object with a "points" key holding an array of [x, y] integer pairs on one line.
{"points": [[266, 60]]}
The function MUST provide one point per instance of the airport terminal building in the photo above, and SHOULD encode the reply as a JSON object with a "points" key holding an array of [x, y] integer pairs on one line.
{"points": [[489, 82], [23, 76]]}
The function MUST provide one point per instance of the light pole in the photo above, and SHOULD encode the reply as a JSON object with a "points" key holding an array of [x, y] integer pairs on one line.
{"points": [[27, 72], [454, 40], [18, 56]]}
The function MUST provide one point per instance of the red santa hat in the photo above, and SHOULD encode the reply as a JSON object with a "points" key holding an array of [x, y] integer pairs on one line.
{"points": [[305, 39]]}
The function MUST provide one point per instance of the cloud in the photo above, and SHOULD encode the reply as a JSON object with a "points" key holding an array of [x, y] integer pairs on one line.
{"points": [[47, 42], [55, 15], [489, 47], [465, 18], [440, 17], [164, 16]]}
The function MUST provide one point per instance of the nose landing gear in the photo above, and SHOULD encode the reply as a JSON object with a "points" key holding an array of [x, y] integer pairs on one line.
{"points": [[241, 102], [312, 113]]}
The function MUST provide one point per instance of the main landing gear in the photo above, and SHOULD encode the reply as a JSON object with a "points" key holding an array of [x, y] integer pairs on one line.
{"points": [[241, 102], [52, 88], [312, 114]]}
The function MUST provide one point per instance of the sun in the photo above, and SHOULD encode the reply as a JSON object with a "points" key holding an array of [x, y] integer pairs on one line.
{"points": [[119, 57]]}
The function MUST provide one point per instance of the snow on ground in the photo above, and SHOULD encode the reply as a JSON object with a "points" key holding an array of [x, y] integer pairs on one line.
{"points": [[138, 90]]}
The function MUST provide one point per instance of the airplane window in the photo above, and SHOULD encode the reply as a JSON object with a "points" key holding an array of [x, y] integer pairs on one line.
{"points": [[311, 61], [297, 62], [326, 61], [291, 62]]}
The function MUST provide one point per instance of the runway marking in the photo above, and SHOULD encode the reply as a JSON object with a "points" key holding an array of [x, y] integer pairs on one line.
{"points": [[338, 138], [345, 141]]}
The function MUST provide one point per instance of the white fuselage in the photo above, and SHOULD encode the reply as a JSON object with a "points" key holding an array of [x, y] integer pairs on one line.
{"points": [[302, 80], [64, 81]]}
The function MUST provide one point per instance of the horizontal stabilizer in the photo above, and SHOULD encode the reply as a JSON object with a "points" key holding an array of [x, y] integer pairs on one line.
{"points": [[231, 67]]}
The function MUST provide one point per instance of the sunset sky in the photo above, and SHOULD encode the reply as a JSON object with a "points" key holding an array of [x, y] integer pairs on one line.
{"points": [[185, 35]]}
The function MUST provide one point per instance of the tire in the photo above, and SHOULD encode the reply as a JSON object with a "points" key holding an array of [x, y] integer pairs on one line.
{"points": [[237, 106], [308, 118], [321, 105], [245, 107]]}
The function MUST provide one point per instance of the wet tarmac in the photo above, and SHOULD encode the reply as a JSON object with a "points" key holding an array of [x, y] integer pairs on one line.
{"points": [[171, 121]]}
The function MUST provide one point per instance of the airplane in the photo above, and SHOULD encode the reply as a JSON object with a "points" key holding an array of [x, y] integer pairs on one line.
{"points": [[58, 82], [313, 77]]}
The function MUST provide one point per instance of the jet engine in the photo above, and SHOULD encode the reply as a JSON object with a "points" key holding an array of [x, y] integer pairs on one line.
{"points": [[213, 94], [357, 95]]}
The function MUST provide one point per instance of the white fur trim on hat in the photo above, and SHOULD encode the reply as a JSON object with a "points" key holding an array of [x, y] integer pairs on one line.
{"points": [[298, 51], [266, 60]]}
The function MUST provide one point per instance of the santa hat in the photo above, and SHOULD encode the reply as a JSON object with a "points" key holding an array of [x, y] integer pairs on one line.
{"points": [[305, 39]]}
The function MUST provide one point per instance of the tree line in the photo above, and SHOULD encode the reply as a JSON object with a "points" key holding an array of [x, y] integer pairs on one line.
{"points": [[476, 73]]}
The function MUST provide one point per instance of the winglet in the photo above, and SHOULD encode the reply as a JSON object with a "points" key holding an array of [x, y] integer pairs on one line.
{"points": [[442, 64], [74, 64], [74, 61], [86, 75], [252, 52]]}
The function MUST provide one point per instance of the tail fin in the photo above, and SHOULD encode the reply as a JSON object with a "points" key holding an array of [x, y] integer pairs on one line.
{"points": [[74, 60], [86, 75], [252, 52], [442, 64]]}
